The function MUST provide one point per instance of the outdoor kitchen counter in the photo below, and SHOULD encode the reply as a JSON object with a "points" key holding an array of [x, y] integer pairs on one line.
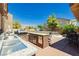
{"points": [[38, 33], [38, 38]]}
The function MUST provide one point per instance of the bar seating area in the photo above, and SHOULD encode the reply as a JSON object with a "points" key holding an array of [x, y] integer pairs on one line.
{"points": [[73, 38]]}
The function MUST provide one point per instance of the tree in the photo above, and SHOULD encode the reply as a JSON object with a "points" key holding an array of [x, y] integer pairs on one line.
{"points": [[52, 22], [30, 27], [68, 28], [16, 25], [41, 27]]}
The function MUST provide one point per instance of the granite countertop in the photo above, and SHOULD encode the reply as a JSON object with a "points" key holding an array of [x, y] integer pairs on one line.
{"points": [[38, 33]]}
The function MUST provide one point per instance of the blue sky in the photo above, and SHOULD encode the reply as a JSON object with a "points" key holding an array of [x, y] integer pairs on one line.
{"points": [[37, 13]]}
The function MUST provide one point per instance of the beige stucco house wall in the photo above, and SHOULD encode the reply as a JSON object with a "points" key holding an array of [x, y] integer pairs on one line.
{"points": [[8, 23], [10, 20]]}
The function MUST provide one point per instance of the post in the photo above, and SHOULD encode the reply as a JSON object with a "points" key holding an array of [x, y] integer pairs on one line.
{"points": [[45, 42]]}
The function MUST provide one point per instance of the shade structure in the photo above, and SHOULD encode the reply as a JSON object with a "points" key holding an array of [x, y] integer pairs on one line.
{"points": [[75, 9]]}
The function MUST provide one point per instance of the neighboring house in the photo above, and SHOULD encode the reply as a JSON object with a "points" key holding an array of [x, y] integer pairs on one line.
{"points": [[10, 20], [63, 21], [74, 22]]}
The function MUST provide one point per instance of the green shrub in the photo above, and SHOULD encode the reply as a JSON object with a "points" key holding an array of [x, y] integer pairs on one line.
{"points": [[68, 28]]}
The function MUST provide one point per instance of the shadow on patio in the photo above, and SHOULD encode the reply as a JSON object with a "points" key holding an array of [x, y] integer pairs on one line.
{"points": [[65, 47]]}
